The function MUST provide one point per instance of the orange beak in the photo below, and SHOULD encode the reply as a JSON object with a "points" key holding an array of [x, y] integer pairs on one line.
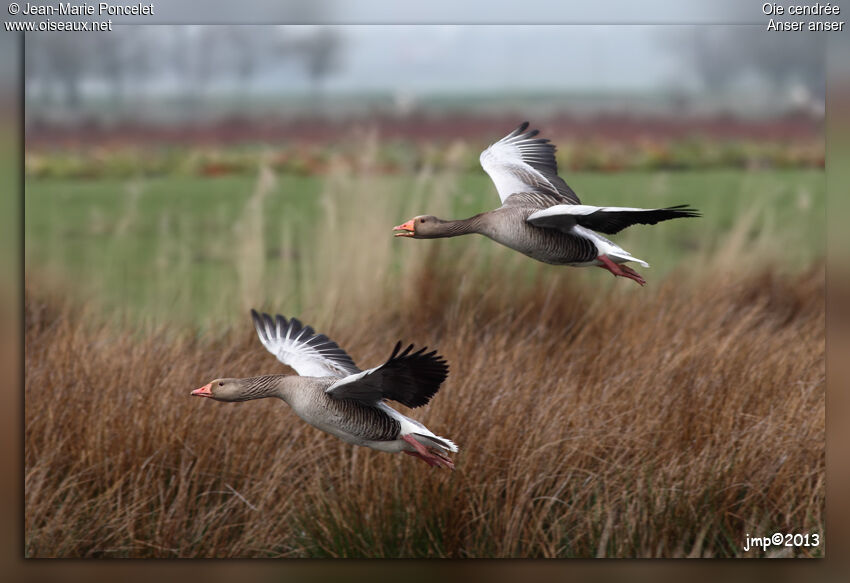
{"points": [[405, 229], [205, 391]]}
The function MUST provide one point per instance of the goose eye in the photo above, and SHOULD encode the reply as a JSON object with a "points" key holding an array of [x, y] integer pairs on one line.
{"points": [[421, 220], [221, 384]]}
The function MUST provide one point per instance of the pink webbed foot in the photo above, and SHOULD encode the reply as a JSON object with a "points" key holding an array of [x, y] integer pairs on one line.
{"points": [[431, 457], [620, 270]]}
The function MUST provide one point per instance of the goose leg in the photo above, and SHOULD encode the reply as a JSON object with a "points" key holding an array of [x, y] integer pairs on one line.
{"points": [[420, 456], [433, 459], [621, 270]]}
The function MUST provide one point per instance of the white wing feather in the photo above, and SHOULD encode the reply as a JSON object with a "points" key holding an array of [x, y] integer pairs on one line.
{"points": [[579, 209], [522, 162], [503, 162], [299, 347]]}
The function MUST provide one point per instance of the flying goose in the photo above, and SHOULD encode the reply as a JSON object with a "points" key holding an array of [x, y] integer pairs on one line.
{"points": [[335, 396], [541, 216]]}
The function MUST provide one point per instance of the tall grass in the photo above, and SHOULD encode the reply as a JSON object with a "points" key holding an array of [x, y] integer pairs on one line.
{"points": [[595, 418], [665, 423], [197, 251]]}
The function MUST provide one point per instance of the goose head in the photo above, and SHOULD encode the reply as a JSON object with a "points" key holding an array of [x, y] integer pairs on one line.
{"points": [[223, 390], [421, 227]]}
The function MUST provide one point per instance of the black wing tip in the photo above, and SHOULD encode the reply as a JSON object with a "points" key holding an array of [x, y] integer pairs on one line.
{"points": [[432, 357], [417, 375], [259, 317], [396, 350], [410, 347], [266, 324], [684, 210], [259, 328], [255, 317], [522, 132], [518, 132]]}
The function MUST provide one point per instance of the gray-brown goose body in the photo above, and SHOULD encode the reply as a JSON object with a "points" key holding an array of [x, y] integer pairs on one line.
{"points": [[334, 395], [541, 216]]}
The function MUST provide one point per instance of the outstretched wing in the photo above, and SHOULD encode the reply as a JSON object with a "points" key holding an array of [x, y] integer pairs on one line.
{"points": [[606, 219], [519, 162], [298, 346], [411, 378]]}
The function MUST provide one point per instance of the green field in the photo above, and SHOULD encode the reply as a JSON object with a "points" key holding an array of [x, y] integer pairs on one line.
{"points": [[198, 250]]}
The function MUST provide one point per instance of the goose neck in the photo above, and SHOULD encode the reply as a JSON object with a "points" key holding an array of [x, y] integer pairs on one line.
{"points": [[266, 386], [457, 227]]}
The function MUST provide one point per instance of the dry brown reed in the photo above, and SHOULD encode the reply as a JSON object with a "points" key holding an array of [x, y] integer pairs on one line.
{"points": [[603, 420], [594, 417]]}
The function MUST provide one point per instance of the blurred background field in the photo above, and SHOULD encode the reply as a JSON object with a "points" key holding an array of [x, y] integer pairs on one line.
{"points": [[172, 247], [177, 176]]}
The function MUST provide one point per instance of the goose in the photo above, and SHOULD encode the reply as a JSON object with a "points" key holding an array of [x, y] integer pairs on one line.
{"points": [[541, 216], [331, 393]]}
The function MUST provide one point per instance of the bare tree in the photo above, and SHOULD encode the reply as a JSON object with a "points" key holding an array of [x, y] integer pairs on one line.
{"points": [[781, 59], [179, 56], [123, 59], [320, 53], [249, 51], [62, 60], [707, 52], [38, 83], [720, 55], [714, 58], [194, 53]]}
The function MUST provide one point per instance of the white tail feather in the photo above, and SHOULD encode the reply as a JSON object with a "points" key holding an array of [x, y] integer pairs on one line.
{"points": [[435, 441]]}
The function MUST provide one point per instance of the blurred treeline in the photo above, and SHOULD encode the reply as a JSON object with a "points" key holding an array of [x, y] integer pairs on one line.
{"points": [[186, 73], [138, 67]]}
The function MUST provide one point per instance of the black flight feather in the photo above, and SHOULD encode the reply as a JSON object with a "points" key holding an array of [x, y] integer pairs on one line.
{"points": [[611, 222], [410, 378]]}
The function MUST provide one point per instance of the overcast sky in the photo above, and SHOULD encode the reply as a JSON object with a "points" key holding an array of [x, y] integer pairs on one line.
{"points": [[432, 59], [458, 58]]}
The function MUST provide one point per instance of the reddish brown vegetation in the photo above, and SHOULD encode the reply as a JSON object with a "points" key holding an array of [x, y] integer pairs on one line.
{"points": [[425, 128], [666, 421]]}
